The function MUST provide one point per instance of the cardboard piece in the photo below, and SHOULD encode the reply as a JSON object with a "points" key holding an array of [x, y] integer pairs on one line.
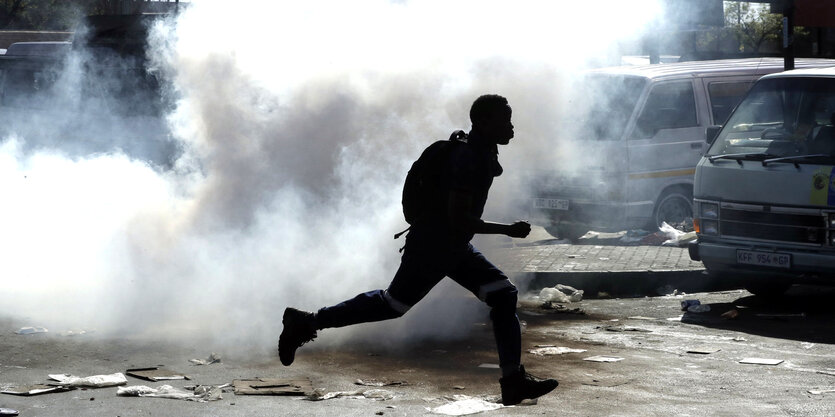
{"points": [[761, 361], [155, 374], [37, 389], [272, 386]]}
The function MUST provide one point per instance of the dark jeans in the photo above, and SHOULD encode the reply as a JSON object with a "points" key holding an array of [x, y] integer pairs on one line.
{"points": [[424, 265]]}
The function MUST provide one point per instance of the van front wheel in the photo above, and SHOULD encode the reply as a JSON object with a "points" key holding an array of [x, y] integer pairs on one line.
{"points": [[674, 208]]}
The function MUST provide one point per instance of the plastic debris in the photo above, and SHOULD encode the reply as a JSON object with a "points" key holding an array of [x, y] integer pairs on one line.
{"points": [[761, 361], [560, 294], [8, 412], [32, 330], [603, 359], [95, 381], [213, 358], [202, 393], [373, 394], [378, 383], [463, 405], [554, 350], [821, 391]]}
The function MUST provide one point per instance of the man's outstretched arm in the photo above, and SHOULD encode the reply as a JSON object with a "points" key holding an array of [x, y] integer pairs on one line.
{"points": [[460, 203]]}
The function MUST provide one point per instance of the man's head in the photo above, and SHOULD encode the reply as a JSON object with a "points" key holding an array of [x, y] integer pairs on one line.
{"points": [[490, 115]]}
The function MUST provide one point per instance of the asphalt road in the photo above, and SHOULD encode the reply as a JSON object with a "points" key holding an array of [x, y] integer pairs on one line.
{"points": [[655, 377]]}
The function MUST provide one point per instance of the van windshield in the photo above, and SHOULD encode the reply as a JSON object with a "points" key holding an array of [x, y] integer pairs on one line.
{"points": [[601, 105], [792, 118]]}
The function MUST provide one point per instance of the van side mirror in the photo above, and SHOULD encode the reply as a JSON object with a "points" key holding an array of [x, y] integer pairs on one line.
{"points": [[711, 132]]}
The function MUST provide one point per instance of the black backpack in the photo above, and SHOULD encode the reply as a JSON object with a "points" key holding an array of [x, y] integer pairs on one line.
{"points": [[423, 182]]}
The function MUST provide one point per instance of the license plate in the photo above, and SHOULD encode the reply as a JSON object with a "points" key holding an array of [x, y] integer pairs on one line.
{"points": [[776, 260], [550, 204]]}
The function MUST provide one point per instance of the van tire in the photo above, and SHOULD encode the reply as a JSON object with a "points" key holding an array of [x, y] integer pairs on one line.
{"points": [[571, 232], [675, 206]]}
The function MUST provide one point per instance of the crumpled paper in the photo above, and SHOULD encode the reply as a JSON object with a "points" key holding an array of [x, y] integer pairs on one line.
{"points": [[95, 381], [554, 350], [373, 394], [202, 393], [464, 405], [560, 294]]}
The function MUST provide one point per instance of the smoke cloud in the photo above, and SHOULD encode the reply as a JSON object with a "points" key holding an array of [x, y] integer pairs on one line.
{"points": [[290, 130]]}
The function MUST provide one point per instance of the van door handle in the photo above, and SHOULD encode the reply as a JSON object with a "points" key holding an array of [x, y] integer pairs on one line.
{"points": [[696, 145]]}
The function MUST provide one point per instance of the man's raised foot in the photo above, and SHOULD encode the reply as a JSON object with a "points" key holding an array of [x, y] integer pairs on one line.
{"points": [[299, 328]]}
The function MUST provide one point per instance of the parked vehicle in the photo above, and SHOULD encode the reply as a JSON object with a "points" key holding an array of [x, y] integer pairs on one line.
{"points": [[639, 133], [765, 190]]}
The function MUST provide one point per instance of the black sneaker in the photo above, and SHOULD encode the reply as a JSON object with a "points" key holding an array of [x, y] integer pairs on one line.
{"points": [[299, 329], [522, 385]]}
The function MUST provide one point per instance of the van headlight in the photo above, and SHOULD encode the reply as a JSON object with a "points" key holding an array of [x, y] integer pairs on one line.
{"points": [[711, 211], [709, 227]]}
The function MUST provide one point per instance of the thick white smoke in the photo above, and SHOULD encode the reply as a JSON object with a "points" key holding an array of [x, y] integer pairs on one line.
{"points": [[298, 121]]}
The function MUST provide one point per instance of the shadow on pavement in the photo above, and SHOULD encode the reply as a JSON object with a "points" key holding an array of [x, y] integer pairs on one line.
{"points": [[804, 314]]}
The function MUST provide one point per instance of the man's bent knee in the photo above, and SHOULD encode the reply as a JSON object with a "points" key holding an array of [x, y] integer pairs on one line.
{"points": [[503, 296]]}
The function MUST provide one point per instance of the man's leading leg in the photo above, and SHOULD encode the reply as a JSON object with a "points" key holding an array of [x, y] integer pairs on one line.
{"points": [[493, 287]]}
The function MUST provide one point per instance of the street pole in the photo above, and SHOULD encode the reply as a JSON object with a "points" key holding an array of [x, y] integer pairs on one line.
{"points": [[788, 35]]}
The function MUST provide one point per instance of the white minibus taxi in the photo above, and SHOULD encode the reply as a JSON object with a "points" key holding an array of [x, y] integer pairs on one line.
{"points": [[637, 133], [764, 191]]}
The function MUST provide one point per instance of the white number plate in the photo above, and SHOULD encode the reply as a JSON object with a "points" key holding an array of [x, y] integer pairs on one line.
{"points": [[777, 260], [550, 204]]}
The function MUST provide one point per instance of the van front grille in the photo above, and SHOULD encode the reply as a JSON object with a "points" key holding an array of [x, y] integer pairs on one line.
{"points": [[783, 227]]}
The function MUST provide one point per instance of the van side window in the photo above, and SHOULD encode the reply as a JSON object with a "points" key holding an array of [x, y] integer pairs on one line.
{"points": [[724, 96], [669, 106]]}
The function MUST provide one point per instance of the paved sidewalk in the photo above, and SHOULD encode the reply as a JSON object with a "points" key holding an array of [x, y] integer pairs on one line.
{"points": [[600, 262]]}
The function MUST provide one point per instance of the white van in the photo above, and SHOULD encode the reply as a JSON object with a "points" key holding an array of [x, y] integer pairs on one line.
{"points": [[639, 133], [765, 190]]}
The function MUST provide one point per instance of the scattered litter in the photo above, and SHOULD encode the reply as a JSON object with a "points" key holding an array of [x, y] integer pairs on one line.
{"points": [[489, 366], [378, 383], [685, 304], [459, 387], [213, 358], [782, 316], [37, 389], [807, 345], [761, 361], [202, 393], [95, 381], [463, 405], [32, 330], [701, 308], [155, 373], [675, 318], [559, 308], [633, 236], [8, 412], [554, 350], [739, 339], [641, 318], [372, 394], [272, 386], [625, 329], [561, 294], [607, 381], [654, 239], [821, 391], [730, 314], [704, 350], [667, 290], [603, 359], [70, 333], [676, 237]]}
